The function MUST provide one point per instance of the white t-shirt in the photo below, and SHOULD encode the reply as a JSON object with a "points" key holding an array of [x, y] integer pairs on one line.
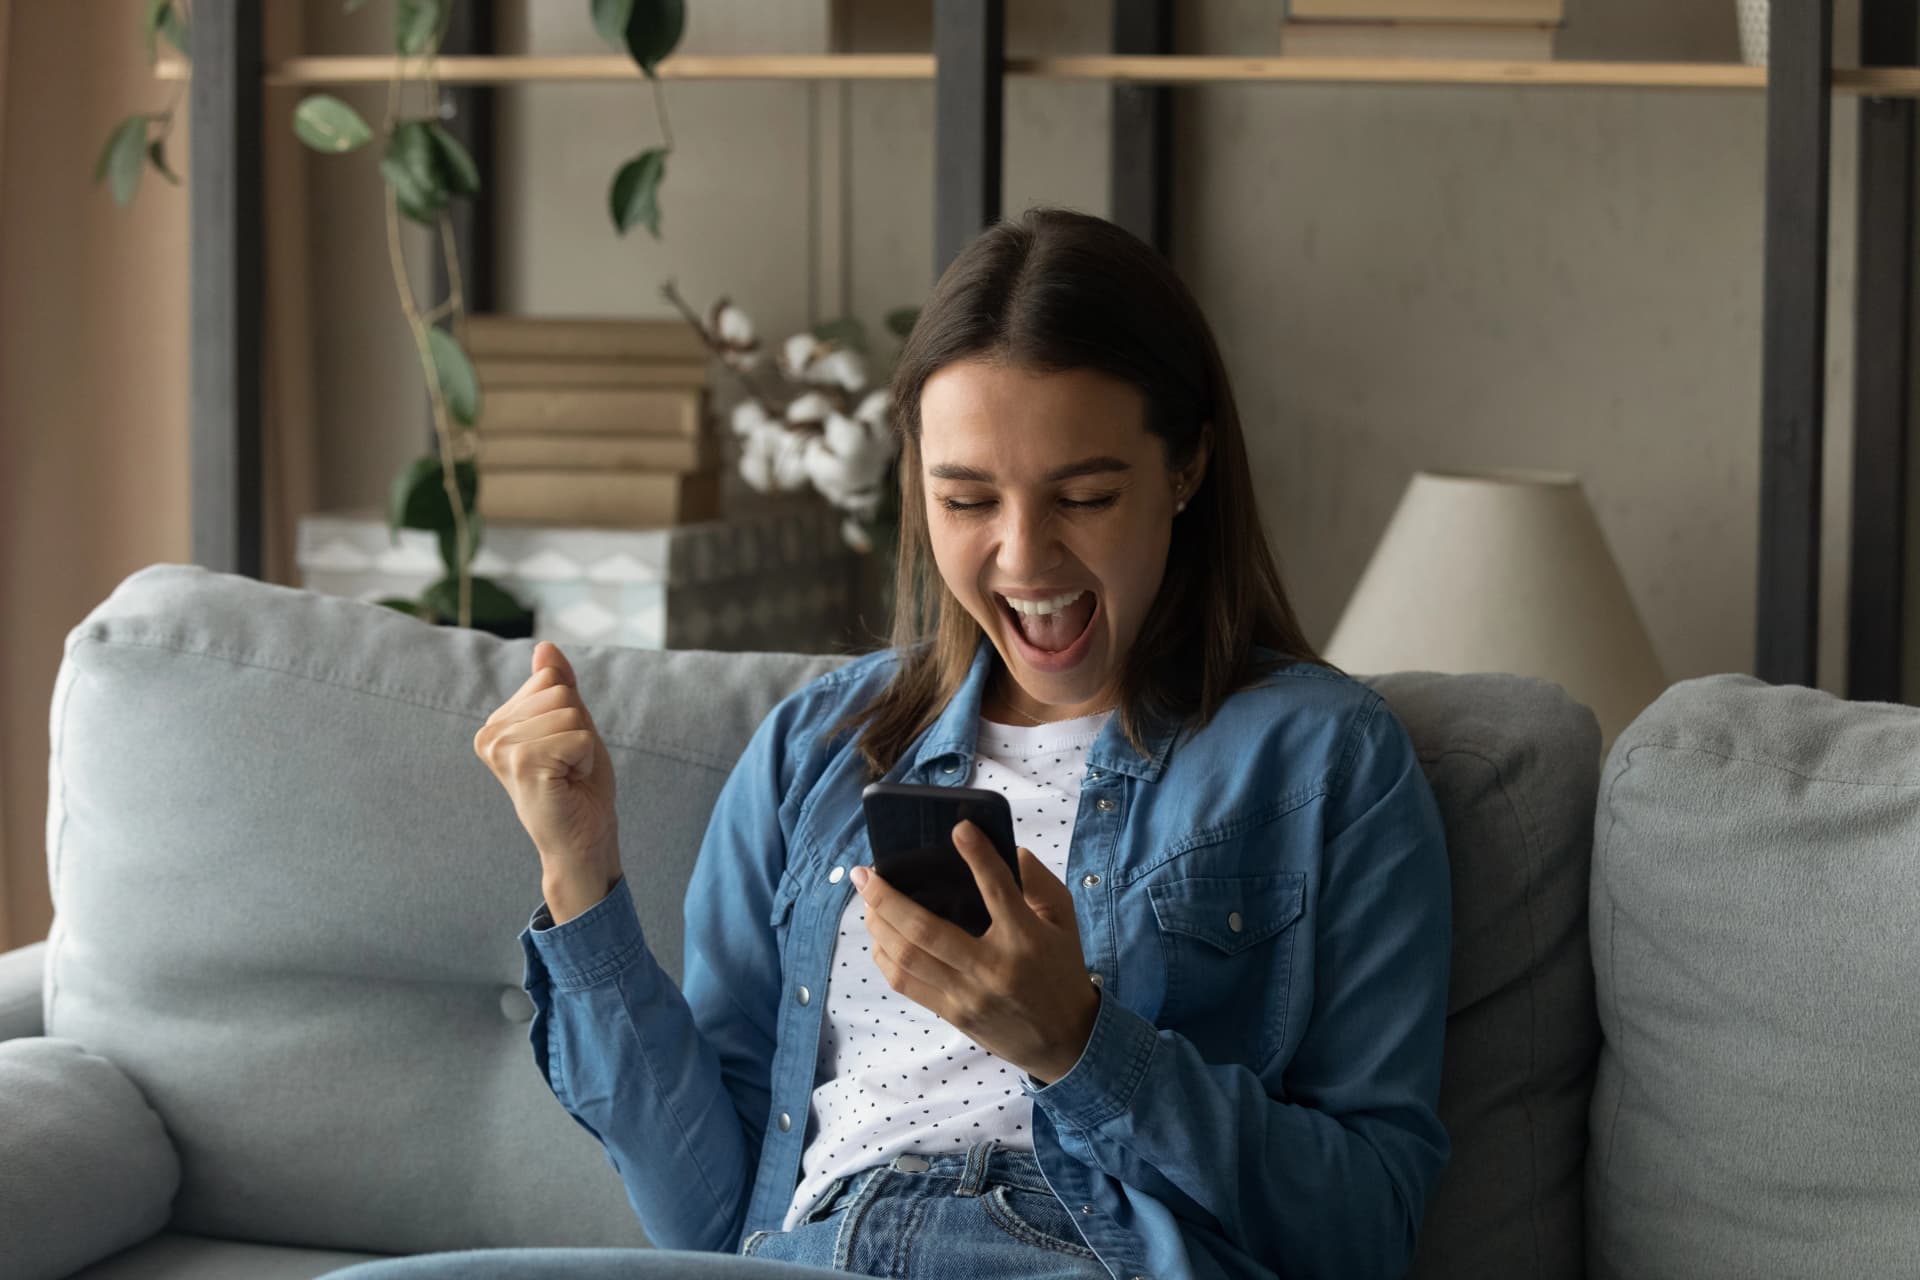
{"points": [[892, 1076]]}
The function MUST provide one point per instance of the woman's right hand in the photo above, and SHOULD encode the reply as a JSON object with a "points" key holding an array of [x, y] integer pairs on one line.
{"points": [[543, 747]]}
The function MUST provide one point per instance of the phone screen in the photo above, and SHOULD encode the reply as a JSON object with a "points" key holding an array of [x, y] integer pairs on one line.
{"points": [[911, 831]]}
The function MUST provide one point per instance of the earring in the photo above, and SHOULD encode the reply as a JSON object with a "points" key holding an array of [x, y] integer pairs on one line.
{"points": [[1179, 506]]}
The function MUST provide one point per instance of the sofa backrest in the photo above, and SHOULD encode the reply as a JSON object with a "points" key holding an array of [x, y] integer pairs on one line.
{"points": [[288, 897], [1756, 932]]}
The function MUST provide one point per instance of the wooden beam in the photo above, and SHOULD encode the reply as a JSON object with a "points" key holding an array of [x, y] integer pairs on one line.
{"points": [[1168, 69], [1883, 350], [969, 46], [1140, 187], [227, 287]]}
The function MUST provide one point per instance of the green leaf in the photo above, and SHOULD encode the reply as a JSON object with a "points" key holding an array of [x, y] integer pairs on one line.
{"points": [[123, 159], [491, 604], [653, 29], [157, 155], [847, 331], [412, 608], [610, 20], [327, 124], [901, 320], [636, 191], [418, 499], [458, 173], [416, 24], [179, 33], [157, 11], [164, 18], [411, 165], [458, 383]]}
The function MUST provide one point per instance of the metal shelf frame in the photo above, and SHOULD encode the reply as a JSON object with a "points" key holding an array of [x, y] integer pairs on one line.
{"points": [[969, 67]]}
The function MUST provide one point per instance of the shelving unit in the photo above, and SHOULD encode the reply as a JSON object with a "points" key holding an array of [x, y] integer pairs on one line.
{"points": [[505, 69], [968, 69]]}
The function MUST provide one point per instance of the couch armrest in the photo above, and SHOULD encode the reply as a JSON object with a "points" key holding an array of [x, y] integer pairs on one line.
{"points": [[20, 1009], [86, 1168]]}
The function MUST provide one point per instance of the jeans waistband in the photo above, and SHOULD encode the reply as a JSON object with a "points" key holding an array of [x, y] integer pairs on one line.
{"points": [[986, 1161]]}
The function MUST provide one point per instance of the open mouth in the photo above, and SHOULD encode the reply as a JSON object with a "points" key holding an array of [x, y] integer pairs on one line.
{"points": [[1057, 633]]}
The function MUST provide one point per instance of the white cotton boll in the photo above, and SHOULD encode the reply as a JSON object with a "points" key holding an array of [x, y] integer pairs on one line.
{"points": [[873, 409], [756, 465], [811, 407], [745, 359], [748, 417], [845, 436], [865, 465], [854, 534], [842, 368], [734, 327], [826, 469], [790, 464], [797, 353]]}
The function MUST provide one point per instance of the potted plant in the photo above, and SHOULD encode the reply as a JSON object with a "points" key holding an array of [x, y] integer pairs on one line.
{"points": [[426, 168]]}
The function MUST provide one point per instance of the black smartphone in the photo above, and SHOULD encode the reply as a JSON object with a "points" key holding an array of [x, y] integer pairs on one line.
{"points": [[911, 830]]}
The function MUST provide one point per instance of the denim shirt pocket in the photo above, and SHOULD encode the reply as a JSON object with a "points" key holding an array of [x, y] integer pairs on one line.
{"points": [[1228, 945]]}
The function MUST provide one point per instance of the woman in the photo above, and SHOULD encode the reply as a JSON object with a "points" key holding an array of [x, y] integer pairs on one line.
{"points": [[1204, 1039]]}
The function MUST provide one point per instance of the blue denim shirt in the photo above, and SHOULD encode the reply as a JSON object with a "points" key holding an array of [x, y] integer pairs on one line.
{"points": [[1270, 922]]}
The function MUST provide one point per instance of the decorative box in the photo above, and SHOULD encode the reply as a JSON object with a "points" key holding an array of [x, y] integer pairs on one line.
{"points": [[778, 580]]}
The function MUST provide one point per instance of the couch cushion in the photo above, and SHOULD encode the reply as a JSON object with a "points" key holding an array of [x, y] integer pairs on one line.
{"points": [[1513, 764], [85, 1165], [287, 899], [1756, 900], [173, 1255]]}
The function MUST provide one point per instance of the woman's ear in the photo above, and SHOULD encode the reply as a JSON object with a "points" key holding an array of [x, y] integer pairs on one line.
{"points": [[1196, 470]]}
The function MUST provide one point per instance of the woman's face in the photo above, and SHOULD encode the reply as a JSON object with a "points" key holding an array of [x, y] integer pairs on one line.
{"points": [[1048, 490]]}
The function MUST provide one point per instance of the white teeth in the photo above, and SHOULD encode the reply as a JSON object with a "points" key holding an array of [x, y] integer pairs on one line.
{"points": [[1041, 608]]}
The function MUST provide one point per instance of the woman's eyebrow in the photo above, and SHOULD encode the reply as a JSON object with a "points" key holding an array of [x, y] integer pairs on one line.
{"points": [[1084, 467]]}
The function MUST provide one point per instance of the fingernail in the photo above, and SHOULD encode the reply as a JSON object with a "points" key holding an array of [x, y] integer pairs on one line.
{"points": [[860, 877]]}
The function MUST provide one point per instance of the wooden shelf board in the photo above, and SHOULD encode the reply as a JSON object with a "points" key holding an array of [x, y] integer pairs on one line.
{"points": [[1893, 82]]}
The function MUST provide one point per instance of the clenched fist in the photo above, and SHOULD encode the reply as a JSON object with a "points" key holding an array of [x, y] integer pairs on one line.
{"points": [[542, 745]]}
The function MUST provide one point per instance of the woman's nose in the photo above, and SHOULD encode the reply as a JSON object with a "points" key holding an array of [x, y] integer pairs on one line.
{"points": [[1027, 549]]}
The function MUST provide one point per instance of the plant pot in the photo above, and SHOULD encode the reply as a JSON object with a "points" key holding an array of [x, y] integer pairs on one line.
{"points": [[1753, 32]]}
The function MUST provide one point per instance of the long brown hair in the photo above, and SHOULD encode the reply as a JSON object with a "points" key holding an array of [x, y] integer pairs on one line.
{"points": [[1050, 291]]}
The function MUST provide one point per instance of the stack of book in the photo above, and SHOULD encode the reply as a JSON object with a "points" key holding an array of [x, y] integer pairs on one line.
{"points": [[1502, 30], [593, 421]]}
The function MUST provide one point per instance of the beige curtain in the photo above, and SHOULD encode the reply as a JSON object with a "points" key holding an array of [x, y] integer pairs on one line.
{"points": [[94, 463]]}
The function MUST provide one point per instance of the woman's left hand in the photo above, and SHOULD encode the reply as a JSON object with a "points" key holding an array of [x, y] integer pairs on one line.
{"points": [[1020, 990]]}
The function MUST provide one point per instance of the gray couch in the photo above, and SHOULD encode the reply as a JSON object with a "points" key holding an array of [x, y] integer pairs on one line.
{"points": [[278, 1026]]}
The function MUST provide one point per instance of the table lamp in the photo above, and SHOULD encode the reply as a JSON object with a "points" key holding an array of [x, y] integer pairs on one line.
{"points": [[1501, 570]]}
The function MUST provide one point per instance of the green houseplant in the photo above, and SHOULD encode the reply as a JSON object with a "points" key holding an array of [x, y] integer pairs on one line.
{"points": [[425, 168]]}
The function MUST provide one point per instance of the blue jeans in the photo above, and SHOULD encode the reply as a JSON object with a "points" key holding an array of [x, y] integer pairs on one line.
{"points": [[980, 1216], [986, 1214]]}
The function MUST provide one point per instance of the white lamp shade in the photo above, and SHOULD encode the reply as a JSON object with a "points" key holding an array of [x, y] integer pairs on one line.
{"points": [[1501, 571]]}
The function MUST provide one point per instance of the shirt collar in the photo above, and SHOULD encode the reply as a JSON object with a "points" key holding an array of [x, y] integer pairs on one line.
{"points": [[953, 737]]}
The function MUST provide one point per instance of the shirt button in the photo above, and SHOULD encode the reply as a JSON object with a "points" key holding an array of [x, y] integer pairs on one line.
{"points": [[1099, 981], [1086, 1208], [1089, 880], [1104, 805], [834, 876], [1233, 921], [1093, 775], [805, 995], [951, 768], [786, 1122]]}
